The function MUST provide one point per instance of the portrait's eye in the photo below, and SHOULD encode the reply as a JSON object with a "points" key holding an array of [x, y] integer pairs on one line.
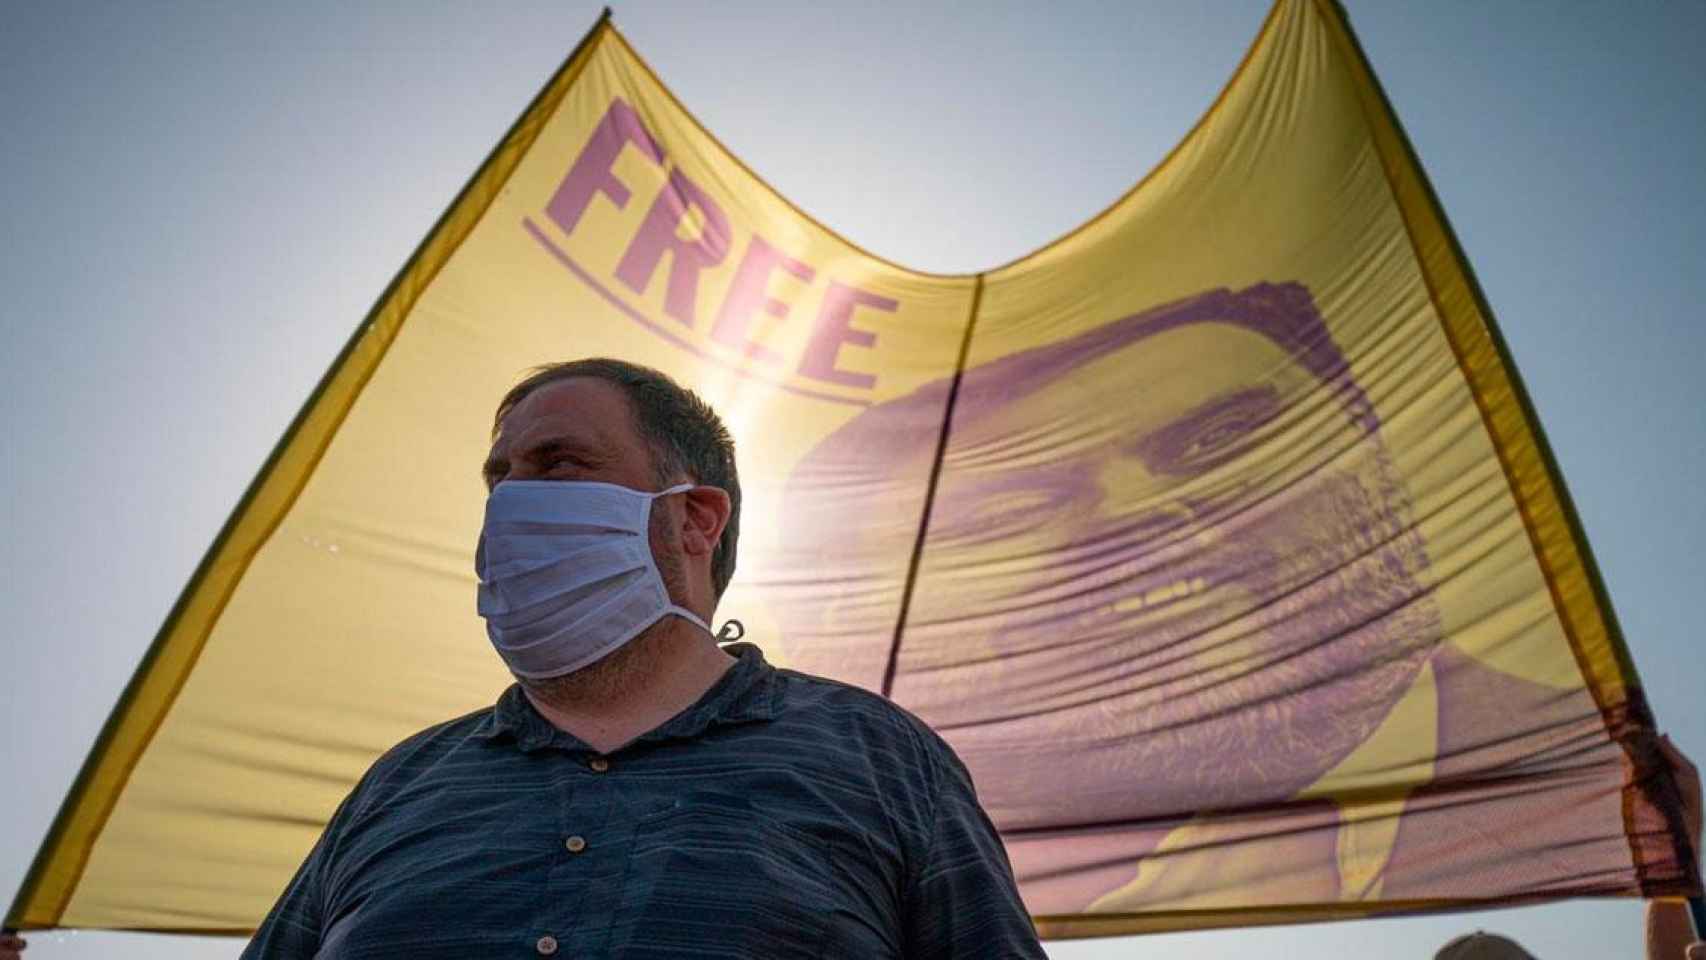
{"points": [[990, 514], [1209, 435], [1220, 431]]}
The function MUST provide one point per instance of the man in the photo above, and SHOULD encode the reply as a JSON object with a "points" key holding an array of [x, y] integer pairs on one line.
{"points": [[641, 792], [1670, 929]]}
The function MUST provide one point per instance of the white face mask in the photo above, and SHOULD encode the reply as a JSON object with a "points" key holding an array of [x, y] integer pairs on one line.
{"points": [[567, 573]]}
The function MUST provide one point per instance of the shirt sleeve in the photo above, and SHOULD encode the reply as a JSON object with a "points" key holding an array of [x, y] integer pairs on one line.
{"points": [[962, 902], [295, 928]]}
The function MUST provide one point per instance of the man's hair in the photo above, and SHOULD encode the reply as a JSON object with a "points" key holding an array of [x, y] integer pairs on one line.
{"points": [[682, 432]]}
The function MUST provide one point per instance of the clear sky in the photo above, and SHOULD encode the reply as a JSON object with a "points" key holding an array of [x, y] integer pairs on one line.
{"points": [[201, 202]]}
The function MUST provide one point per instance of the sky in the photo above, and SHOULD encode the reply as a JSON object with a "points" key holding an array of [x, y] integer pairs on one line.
{"points": [[202, 200]]}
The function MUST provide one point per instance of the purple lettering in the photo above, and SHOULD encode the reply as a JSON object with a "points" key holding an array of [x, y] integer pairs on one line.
{"points": [[591, 174], [749, 293], [661, 232], [834, 327]]}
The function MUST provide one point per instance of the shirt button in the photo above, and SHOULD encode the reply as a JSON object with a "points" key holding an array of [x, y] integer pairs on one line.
{"points": [[546, 946], [598, 764], [575, 844]]}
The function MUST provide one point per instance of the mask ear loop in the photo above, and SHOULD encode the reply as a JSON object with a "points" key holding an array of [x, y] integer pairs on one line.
{"points": [[731, 631]]}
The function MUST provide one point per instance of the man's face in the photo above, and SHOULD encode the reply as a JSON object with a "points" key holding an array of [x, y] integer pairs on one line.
{"points": [[582, 429], [1116, 595]]}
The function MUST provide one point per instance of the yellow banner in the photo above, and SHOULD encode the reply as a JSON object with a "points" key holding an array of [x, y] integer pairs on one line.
{"points": [[1217, 537]]}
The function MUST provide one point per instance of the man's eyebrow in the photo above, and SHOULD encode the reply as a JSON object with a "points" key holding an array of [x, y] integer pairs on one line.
{"points": [[569, 446], [544, 448]]}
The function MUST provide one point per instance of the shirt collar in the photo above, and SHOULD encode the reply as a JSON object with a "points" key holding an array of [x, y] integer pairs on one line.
{"points": [[746, 692]]}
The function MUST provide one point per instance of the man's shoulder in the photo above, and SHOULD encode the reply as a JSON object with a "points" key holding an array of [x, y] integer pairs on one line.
{"points": [[811, 691], [427, 749], [850, 709], [441, 737]]}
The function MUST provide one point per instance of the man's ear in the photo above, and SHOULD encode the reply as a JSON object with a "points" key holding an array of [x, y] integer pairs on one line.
{"points": [[705, 513]]}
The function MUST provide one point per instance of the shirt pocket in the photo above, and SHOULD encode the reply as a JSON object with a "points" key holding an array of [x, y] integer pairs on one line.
{"points": [[712, 877]]}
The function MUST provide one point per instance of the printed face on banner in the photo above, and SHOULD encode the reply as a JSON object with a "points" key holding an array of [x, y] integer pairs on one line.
{"points": [[1112, 581]]}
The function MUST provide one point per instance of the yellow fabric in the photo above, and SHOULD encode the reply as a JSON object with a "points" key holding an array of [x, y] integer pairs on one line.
{"points": [[1604, 660], [1287, 255]]}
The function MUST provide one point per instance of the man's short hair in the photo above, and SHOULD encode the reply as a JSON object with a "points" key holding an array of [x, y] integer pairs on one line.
{"points": [[682, 432]]}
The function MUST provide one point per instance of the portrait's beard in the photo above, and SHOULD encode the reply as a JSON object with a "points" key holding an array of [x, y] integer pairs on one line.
{"points": [[1239, 653], [624, 670]]}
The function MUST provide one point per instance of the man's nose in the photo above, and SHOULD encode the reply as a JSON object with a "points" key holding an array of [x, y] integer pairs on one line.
{"points": [[1176, 511], [1172, 523], [1156, 519]]}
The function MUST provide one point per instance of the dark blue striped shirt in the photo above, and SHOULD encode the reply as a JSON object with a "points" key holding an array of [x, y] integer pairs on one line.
{"points": [[780, 816]]}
